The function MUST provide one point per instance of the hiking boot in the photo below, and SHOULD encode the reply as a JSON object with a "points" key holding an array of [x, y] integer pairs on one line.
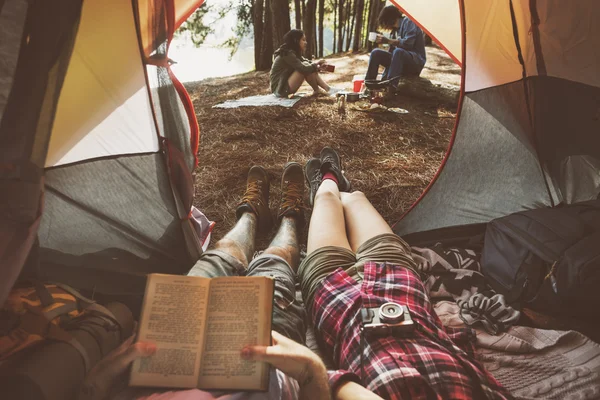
{"points": [[256, 198], [312, 172], [292, 192], [331, 162]]}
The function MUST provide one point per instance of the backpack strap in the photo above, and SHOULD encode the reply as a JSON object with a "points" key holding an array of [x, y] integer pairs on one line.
{"points": [[89, 304]]}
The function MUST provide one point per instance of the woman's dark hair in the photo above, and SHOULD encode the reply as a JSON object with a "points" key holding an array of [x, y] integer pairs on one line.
{"points": [[291, 42], [388, 17]]}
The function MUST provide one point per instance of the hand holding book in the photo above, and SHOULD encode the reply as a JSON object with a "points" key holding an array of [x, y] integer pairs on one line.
{"points": [[296, 361]]}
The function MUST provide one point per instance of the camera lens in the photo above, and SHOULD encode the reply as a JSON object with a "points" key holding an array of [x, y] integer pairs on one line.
{"points": [[391, 312]]}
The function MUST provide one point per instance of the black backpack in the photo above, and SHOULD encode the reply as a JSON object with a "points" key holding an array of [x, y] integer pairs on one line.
{"points": [[547, 259]]}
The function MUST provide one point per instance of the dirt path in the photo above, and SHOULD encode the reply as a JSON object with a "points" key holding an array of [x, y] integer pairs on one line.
{"points": [[390, 157]]}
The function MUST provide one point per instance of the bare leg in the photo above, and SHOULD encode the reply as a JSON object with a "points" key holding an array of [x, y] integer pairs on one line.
{"points": [[363, 221], [312, 80], [327, 226], [285, 243], [322, 83], [239, 241], [295, 81]]}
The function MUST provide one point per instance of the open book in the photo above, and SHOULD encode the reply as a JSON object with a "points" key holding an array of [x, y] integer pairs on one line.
{"points": [[200, 326]]}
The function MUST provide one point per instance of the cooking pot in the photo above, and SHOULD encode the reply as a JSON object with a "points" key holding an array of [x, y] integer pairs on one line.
{"points": [[350, 96]]}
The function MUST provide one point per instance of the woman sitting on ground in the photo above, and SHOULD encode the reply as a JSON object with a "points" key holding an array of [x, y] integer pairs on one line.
{"points": [[290, 69]]}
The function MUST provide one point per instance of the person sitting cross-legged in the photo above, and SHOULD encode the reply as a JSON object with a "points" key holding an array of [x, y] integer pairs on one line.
{"points": [[406, 55], [355, 264], [299, 373]]}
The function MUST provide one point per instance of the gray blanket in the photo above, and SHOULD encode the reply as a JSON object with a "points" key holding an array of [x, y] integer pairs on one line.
{"points": [[536, 363], [260, 101]]}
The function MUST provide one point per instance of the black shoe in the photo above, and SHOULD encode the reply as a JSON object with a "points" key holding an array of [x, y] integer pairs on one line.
{"points": [[330, 162], [292, 192], [312, 172], [256, 198]]}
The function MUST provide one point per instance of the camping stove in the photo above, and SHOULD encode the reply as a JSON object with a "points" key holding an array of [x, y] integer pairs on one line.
{"points": [[378, 90], [377, 95]]}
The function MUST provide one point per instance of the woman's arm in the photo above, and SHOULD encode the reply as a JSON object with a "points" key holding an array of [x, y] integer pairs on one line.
{"points": [[305, 68], [353, 391]]}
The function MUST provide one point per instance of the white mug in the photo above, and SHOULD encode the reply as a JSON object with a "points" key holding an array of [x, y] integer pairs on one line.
{"points": [[372, 36]]}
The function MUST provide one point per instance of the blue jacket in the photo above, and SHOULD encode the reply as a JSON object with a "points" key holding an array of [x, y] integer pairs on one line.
{"points": [[411, 38]]}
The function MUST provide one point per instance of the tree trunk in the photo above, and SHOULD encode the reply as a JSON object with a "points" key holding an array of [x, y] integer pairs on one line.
{"points": [[310, 17], [347, 24], [351, 19], [321, 27], [340, 41], [280, 14], [335, 8], [298, 12], [376, 6], [360, 8], [266, 48], [257, 23], [365, 25]]}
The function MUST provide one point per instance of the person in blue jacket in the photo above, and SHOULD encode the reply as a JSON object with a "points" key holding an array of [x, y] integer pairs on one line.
{"points": [[406, 55]]}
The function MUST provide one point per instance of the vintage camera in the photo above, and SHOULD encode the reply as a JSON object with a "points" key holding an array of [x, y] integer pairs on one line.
{"points": [[388, 320]]}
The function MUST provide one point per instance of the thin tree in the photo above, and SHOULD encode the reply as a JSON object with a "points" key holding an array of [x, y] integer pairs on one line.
{"points": [[365, 30], [376, 6], [360, 10], [309, 19], [347, 24], [351, 25], [321, 27], [266, 50], [340, 27], [280, 16], [298, 12], [258, 23], [335, 21]]}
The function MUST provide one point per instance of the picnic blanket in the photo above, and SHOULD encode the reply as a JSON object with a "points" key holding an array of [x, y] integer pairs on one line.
{"points": [[260, 101], [455, 274]]}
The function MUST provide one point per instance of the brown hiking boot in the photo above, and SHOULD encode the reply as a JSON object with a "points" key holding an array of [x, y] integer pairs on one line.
{"points": [[292, 192], [256, 198]]}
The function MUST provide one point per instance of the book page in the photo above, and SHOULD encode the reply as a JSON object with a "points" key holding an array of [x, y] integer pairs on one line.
{"points": [[173, 317], [239, 314]]}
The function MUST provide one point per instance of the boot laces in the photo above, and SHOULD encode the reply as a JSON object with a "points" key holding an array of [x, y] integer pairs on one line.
{"points": [[253, 193], [292, 196], [317, 177]]}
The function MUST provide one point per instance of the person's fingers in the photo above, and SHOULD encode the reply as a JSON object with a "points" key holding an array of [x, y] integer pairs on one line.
{"points": [[140, 349], [278, 337]]}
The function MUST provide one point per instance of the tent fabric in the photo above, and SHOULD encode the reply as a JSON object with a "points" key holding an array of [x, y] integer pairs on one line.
{"points": [[489, 172], [116, 151], [46, 42], [12, 21], [528, 120], [104, 109], [440, 19], [114, 204]]}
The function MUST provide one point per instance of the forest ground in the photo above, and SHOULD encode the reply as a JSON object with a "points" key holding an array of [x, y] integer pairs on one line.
{"points": [[390, 157]]}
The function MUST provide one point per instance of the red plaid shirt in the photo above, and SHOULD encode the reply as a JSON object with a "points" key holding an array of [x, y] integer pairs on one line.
{"points": [[424, 364]]}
